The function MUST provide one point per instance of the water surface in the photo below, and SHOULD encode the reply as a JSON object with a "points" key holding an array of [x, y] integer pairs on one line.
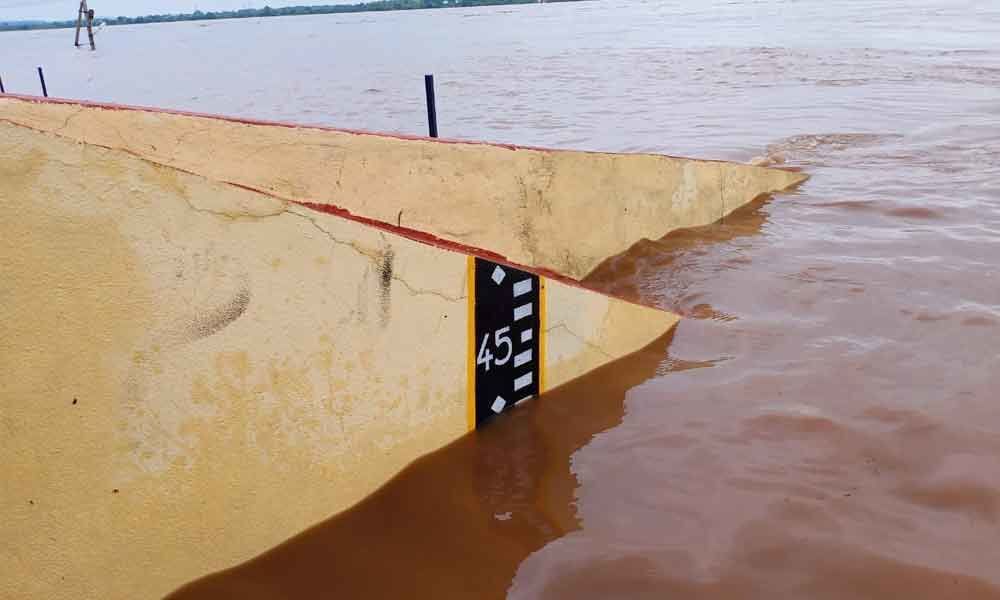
{"points": [[825, 424]]}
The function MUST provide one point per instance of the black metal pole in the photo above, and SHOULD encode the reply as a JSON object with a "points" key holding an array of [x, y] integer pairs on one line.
{"points": [[90, 28], [432, 117], [2, 91], [41, 77]]}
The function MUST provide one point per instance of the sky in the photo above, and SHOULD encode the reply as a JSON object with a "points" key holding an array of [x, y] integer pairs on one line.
{"points": [[60, 10]]}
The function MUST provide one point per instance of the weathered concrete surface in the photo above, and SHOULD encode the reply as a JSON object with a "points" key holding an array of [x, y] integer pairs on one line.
{"points": [[194, 371], [556, 210], [585, 331]]}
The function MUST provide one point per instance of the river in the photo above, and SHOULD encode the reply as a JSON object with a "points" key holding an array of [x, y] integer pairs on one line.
{"points": [[825, 424]]}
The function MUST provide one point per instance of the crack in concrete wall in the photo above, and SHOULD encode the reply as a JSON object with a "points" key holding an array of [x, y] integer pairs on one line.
{"points": [[574, 209]]}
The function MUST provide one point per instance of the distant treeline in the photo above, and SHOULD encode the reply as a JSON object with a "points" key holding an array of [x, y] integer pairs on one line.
{"points": [[267, 11]]}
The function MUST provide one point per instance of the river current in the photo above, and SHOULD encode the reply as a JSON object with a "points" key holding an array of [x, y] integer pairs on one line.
{"points": [[826, 421]]}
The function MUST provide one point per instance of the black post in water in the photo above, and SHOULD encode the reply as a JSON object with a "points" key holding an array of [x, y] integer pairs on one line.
{"points": [[432, 115], [2, 91], [41, 77]]}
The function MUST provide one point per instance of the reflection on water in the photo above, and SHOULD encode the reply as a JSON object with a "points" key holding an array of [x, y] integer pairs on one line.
{"points": [[457, 523], [844, 441]]}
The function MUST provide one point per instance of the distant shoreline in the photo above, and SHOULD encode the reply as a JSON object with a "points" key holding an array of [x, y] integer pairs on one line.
{"points": [[267, 11]]}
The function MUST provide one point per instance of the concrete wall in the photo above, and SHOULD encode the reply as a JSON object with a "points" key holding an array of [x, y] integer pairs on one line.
{"points": [[193, 371], [561, 211]]}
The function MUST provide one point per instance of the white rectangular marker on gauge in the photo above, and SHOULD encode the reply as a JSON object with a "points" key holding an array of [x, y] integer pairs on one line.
{"points": [[522, 311], [522, 358], [523, 381], [527, 335], [522, 287]]}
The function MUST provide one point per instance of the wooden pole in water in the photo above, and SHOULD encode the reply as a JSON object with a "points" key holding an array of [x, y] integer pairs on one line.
{"points": [[90, 28], [79, 21], [41, 77], [432, 119]]}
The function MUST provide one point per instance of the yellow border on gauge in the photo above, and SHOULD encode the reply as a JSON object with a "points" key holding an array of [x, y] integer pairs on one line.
{"points": [[470, 401], [542, 337]]}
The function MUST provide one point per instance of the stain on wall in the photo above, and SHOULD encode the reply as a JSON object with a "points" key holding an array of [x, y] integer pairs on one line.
{"points": [[215, 319], [385, 284]]}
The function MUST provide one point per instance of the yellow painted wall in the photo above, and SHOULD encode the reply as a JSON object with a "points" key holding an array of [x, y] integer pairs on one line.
{"points": [[194, 372], [587, 330], [557, 210]]}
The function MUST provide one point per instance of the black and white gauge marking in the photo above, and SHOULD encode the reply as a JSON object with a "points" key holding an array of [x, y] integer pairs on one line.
{"points": [[507, 316]]}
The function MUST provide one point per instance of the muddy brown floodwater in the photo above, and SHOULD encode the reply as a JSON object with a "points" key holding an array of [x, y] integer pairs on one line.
{"points": [[799, 473], [826, 421]]}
